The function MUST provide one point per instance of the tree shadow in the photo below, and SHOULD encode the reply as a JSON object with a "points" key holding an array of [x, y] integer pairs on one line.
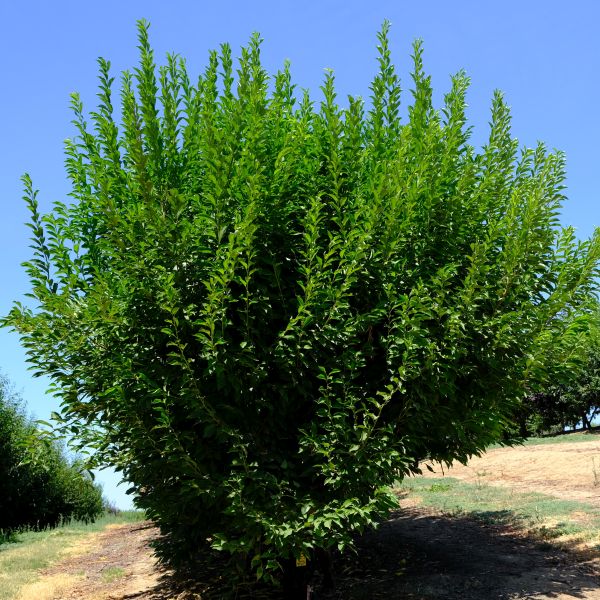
{"points": [[416, 555]]}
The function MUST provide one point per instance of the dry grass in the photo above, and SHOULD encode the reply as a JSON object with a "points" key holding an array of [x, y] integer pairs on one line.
{"points": [[568, 471], [568, 523], [47, 588], [21, 562]]}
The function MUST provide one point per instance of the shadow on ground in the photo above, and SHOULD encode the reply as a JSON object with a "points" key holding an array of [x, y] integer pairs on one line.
{"points": [[416, 555]]}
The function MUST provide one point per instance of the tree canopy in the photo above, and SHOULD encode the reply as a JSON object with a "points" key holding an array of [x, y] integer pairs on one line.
{"points": [[264, 308]]}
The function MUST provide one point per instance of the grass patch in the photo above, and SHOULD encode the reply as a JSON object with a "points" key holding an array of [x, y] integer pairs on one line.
{"points": [[30, 551], [112, 574], [563, 438], [544, 516], [127, 516]]}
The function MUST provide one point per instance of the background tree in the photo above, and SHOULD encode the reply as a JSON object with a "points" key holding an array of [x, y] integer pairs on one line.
{"points": [[567, 404], [39, 486], [264, 310]]}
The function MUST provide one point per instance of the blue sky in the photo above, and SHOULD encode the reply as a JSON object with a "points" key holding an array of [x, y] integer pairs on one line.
{"points": [[545, 56]]}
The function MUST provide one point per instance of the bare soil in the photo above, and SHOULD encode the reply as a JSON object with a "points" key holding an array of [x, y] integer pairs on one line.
{"points": [[415, 555], [570, 471], [115, 564], [419, 555]]}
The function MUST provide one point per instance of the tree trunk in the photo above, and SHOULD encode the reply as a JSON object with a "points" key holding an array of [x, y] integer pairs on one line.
{"points": [[298, 581], [523, 427], [585, 422], [295, 580]]}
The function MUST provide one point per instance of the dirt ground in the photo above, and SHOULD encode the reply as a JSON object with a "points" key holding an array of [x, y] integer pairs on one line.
{"points": [[418, 555], [415, 555], [570, 471], [114, 564]]}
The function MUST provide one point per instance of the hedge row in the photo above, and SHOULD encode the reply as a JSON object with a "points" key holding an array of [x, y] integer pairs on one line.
{"points": [[39, 486]]}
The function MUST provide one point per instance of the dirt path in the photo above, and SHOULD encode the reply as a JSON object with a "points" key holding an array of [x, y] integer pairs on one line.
{"points": [[415, 555], [118, 565]]}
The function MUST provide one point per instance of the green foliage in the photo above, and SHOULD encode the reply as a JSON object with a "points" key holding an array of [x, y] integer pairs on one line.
{"points": [[571, 402], [264, 310], [39, 486]]}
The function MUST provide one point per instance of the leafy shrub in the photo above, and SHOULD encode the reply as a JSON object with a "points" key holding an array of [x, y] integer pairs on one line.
{"points": [[39, 486], [264, 310]]}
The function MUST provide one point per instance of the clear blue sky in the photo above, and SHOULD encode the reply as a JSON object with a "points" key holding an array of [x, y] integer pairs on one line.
{"points": [[545, 56]]}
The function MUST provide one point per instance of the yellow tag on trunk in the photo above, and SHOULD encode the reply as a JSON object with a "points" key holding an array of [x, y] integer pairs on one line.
{"points": [[301, 562]]}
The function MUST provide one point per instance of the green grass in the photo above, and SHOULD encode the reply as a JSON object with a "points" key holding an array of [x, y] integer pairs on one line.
{"points": [[563, 438], [27, 552], [112, 574], [547, 517]]}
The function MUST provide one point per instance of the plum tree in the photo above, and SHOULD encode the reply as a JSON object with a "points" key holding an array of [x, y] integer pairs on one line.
{"points": [[264, 310]]}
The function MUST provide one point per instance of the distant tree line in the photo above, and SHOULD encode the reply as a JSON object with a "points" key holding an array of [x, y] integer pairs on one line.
{"points": [[39, 486]]}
